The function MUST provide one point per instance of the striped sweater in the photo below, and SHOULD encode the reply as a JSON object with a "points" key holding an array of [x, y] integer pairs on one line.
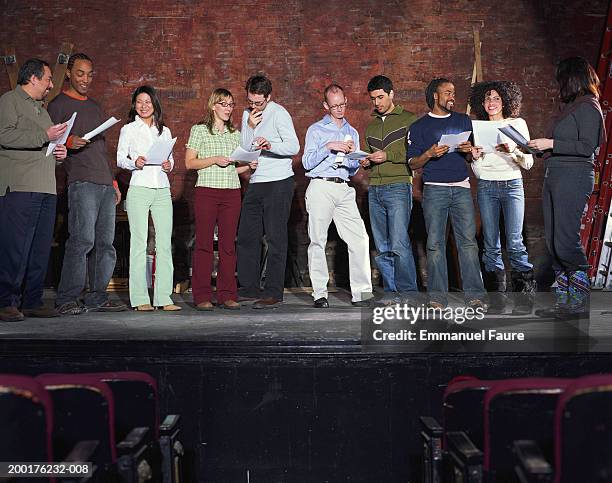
{"points": [[390, 135]]}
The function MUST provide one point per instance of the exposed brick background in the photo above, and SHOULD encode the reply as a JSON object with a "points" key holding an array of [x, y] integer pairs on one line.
{"points": [[186, 49]]}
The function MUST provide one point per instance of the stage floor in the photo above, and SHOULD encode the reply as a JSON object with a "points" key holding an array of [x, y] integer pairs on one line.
{"points": [[296, 325]]}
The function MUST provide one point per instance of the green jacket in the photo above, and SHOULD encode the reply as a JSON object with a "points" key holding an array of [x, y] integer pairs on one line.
{"points": [[390, 136], [24, 165]]}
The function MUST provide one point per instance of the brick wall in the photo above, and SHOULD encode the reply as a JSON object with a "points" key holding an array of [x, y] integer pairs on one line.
{"points": [[185, 49]]}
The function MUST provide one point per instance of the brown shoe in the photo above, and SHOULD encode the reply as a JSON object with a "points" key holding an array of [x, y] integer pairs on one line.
{"points": [[41, 312], [171, 308], [230, 305], [10, 314], [206, 306], [144, 308], [267, 303]]}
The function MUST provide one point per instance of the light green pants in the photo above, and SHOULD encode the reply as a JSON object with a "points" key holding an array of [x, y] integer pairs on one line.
{"points": [[139, 202]]}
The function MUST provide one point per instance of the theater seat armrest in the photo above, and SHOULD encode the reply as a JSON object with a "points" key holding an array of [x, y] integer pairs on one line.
{"points": [[531, 466], [170, 424], [460, 446], [82, 452], [431, 426], [136, 437]]}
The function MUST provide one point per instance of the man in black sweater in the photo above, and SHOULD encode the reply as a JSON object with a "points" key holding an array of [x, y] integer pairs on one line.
{"points": [[92, 196]]}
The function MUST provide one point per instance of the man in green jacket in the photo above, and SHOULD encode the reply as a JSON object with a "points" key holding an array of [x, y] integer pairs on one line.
{"points": [[390, 193], [27, 192]]}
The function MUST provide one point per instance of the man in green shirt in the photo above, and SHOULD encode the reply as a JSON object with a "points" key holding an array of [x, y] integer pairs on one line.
{"points": [[390, 193], [27, 192]]}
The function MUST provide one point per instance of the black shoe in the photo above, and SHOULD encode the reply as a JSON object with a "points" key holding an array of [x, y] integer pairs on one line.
{"points": [[321, 303], [361, 303], [108, 306]]}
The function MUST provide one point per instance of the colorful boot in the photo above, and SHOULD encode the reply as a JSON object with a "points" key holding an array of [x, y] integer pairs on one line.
{"points": [[561, 297], [578, 297]]}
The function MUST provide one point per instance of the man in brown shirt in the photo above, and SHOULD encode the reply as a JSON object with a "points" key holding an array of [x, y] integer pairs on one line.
{"points": [[27, 192]]}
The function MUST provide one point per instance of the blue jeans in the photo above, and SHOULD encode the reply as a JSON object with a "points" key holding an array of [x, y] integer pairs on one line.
{"points": [[440, 202], [507, 197], [26, 234], [91, 225], [390, 206]]}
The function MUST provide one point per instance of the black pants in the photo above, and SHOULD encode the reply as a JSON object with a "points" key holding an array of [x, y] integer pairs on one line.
{"points": [[565, 193], [26, 234], [265, 209]]}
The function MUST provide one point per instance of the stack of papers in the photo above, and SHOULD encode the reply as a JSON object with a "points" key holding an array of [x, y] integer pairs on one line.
{"points": [[454, 140], [159, 151], [242, 156]]}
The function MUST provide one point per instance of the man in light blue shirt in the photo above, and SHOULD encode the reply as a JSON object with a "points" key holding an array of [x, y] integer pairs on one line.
{"points": [[266, 125], [330, 198]]}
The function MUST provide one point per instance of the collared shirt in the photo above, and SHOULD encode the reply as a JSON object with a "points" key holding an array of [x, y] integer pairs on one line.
{"points": [[320, 161], [24, 165], [135, 140], [215, 144]]}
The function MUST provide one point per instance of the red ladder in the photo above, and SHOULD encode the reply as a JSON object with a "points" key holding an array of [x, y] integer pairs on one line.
{"points": [[596, 213]]}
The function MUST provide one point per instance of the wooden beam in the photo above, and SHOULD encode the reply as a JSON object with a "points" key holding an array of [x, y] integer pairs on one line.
{"points": [[59, 71], [10, 62]]}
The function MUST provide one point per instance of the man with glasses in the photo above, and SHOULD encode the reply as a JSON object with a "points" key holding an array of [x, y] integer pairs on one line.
{"points": [[266, 125], [329, 197], [92, 196], [390, 193]]}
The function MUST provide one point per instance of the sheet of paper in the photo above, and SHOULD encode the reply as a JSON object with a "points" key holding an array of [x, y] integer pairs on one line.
{"points": [[101, 128], [64, 138], [159, 151], [518, 138], [454, 140], [357, 155], [243, 156], [487, 135]]}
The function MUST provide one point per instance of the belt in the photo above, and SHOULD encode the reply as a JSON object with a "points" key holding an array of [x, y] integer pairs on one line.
{"points": [[333, 180]]}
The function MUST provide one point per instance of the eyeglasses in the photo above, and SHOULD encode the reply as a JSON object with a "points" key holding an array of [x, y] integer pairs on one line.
{"points": [[256, 104], [226, 104], [337, 107]]}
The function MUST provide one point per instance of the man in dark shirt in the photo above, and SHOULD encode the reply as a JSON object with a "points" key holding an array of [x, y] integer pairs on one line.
{"points": [[92, 196], [446, 193], [27, 192]]}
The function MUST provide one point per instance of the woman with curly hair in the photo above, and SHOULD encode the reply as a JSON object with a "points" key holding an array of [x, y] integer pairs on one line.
{"points": [[500, 190], [571, 143]]}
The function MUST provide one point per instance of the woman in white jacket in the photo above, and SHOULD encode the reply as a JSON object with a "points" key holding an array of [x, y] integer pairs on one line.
{"points": [[500, 190], [149, 192]]}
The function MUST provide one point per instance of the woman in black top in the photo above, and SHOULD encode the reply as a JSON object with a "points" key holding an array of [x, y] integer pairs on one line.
{"points": [[569, 148]]}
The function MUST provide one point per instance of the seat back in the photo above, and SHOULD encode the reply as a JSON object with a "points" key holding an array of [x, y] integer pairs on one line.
{"points": [[26, 419], [518, 409], [83, 409], [463, 408], [583, 429], [136, 401]]}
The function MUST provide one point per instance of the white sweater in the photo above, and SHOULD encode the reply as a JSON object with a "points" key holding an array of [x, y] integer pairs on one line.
{"points": [[498, 166], [277, 128]]}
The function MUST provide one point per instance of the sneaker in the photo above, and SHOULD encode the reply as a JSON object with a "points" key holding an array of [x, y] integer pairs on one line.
{"points": [[389, 298], [478, 304], [71, 308], [109, 306]]}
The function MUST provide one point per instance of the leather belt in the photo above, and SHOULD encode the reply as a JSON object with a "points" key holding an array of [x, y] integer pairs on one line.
{"points": [[333, 180]]}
